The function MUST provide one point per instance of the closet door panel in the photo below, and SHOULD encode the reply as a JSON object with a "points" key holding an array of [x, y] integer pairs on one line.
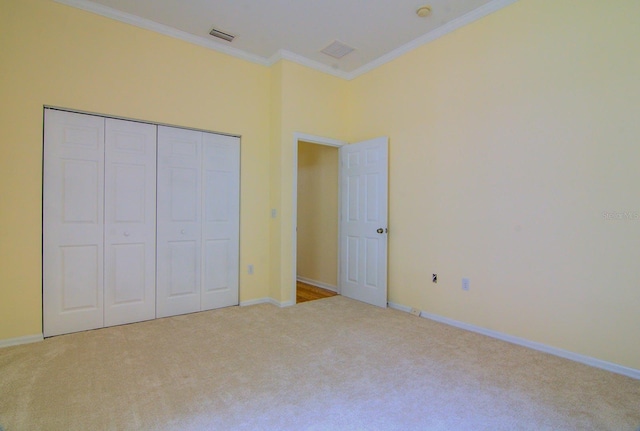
{"points": [[183, 268], [130, 222], [179, 237], [221, 164], [72, 222]]}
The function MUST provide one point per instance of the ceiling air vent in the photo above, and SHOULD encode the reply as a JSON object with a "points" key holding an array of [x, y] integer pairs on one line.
{"points": [[337, 49], [222, 35]]}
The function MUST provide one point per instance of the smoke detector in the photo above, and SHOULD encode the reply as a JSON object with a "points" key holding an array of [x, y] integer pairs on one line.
{"points": [[423, 11]]}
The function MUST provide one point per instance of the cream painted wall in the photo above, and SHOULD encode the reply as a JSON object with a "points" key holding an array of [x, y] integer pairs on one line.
{"points": [[513, 141], [317, 205], [310, 102], [57, 55], [275, 164]]}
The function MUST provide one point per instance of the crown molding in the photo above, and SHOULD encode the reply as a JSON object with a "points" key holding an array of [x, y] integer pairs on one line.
{"points": [[304, 61], [162, 29], [449, 27], [444, 29]]}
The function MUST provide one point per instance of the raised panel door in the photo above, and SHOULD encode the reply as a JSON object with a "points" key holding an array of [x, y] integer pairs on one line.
{"points": [[363, 221], [73, 243], [221, 183], [130, 222], [179, 221]]}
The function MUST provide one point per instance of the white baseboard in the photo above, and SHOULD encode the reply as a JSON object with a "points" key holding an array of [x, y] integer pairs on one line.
{"points": [[21, 340], [258, 301], [266, 301], [317, 284], [399, 307], [583, 359]]}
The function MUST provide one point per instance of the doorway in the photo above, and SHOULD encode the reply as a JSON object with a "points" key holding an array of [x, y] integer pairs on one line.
{"points": [[316, 204], [362, 214]]}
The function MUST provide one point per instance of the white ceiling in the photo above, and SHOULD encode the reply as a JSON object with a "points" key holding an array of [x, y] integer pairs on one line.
{"points": [[267, 30]]}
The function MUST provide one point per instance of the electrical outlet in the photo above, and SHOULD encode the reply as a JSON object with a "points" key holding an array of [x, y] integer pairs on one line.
{"points": [[415, 312], [250, 270], [465, 284], [434, 278]]}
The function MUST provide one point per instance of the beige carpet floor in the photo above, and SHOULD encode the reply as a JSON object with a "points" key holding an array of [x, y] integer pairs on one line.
{"points": [[332, 364]]}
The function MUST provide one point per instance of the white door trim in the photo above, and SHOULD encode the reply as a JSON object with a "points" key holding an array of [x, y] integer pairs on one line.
{"points": [[313, 139]]}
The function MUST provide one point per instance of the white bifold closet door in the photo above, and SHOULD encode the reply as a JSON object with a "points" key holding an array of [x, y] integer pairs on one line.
{"points": [[73, 206], [99, 222], [129, 222], [115, 254], [198, 221]]}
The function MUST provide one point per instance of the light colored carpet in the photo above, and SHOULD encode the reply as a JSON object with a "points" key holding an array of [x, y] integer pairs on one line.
{"points": [[332, 364]]}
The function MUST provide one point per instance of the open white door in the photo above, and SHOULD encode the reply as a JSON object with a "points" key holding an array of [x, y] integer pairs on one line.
{"points": [[363, 221]]}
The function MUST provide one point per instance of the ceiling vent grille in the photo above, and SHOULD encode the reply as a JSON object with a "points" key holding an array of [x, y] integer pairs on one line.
{"points": [[337, 49], [222, 35]]}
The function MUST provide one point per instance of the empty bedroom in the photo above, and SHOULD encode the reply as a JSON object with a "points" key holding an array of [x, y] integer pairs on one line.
{"points": [[480, 251]]}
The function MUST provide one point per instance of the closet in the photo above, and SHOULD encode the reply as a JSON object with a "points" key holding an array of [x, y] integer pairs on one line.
{"points": [[198, 212], [139, 221]]}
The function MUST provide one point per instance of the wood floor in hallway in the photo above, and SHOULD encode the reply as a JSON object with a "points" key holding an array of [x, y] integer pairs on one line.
{"points": [[306, 292]]}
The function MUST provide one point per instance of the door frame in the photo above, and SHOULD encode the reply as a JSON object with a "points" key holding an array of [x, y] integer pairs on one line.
{"points": [[319, 140]]}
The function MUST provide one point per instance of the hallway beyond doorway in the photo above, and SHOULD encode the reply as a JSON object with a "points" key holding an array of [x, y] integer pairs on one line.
{"points": [[306, 292]]}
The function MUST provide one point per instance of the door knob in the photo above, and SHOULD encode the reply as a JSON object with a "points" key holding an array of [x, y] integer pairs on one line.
{"points": [[126, 234], [182, 231], [380, 230]]}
